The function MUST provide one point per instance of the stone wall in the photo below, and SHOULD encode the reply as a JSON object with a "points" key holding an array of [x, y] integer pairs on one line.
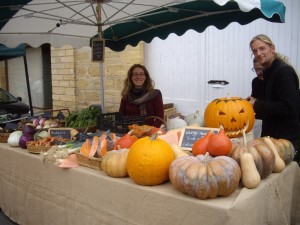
{"points": [[76, 79], [2, 75]]}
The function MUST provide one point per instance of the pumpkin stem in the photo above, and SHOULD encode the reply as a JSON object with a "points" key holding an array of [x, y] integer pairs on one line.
{"points": [[154, 136], [206, 157]]}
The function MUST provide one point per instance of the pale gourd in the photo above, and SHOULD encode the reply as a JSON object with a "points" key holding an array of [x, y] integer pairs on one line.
{"points": [[250, 175], [194, 119], [177, 150], [114, 163], [175, 123], [279, 163]]}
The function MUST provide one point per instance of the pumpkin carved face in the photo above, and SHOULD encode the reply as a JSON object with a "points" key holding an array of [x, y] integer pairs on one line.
{"points": [[233, 113]]}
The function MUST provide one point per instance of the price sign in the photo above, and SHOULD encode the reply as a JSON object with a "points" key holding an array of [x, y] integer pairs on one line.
{"points": [[98, 49], [60, 132], [192, 134]]}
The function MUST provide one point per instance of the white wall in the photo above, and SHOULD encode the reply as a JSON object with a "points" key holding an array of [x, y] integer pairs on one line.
{"points": [[182, 66]]}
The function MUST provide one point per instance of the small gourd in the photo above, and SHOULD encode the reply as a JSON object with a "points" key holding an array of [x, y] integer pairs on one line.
{"points": [[178, 151], [175, 123], [200, 145], [127, 140], [114, 162], [279, 163], [194, 119], [250, 175], [219, 144]]}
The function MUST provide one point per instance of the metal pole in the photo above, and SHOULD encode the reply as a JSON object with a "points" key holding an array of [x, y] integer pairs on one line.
{"points": [[99, 6], [28, 85]]}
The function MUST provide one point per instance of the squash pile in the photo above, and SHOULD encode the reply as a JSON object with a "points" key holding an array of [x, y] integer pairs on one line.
{"points": [[216, 166]]}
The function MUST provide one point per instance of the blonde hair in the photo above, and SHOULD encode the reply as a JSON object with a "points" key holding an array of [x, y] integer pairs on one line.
{"points": [[264, 38], [128, 84]]}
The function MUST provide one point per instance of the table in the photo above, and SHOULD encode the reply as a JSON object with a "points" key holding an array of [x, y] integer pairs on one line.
{"points": [[37, 193]]}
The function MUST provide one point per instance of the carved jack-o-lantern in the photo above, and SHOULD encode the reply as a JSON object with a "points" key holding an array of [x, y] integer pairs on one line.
{"points": [[233, 113]]}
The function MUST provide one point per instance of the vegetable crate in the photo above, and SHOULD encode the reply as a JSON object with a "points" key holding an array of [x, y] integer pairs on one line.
{"points": [[90, 162], [116, 122]]}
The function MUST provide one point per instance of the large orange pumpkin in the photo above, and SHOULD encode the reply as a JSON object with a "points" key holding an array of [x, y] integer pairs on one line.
{"points": [[148, 161], [233, 113]]}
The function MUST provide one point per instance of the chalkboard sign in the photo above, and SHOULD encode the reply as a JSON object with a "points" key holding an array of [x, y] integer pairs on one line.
{"points": [[98, 49], [192, 134], [60, 132]]}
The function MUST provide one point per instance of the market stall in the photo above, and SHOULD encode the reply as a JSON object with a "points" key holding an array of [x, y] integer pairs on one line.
{"points": [[33, 192]]}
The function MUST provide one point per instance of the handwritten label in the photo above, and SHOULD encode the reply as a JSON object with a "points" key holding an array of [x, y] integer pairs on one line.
{"points": [[98, 48], [60, 132], [190, 135]]}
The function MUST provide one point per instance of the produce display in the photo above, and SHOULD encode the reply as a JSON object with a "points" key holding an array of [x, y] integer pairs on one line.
{"points": [[215, 166]]}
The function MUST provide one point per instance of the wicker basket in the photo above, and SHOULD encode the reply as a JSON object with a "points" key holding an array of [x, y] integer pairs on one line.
{"points": [[90, 162], [4, 137], [37, 149]]}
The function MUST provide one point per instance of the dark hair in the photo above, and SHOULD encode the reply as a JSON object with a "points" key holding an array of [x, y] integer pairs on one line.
{"points": [[128, 84]]}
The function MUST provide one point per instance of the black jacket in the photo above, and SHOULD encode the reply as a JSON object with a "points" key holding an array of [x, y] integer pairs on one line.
{"points": [[279, 108], [257, 88]]}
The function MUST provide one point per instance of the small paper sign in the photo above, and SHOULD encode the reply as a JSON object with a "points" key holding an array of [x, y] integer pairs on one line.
{"points": [[191, 134]]}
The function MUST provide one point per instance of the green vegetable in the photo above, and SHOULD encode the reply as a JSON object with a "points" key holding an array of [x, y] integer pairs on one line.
{"points": [[84, 118]]}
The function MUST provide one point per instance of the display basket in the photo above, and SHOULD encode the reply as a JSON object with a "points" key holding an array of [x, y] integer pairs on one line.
{"points": [[90, 162], [4, 137], [37, 149], [116, 122]]}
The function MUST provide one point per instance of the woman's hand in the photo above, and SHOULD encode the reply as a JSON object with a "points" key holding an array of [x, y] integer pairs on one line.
{"points": [[251, 100]]}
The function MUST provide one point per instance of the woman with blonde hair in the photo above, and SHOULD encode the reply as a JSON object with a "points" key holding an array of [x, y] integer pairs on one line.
{"points": [[279, 107], [139, 98]]}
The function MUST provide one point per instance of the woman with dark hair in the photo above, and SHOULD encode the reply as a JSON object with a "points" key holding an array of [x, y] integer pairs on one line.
{"points": [[279, 106], [139, 98]]}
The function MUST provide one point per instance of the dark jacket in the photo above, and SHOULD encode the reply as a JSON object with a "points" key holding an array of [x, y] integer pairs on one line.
{"points": [[279, 108], [257, 88], [153, 108]]}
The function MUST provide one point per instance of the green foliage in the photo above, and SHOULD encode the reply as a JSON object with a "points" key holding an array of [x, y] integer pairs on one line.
{"points": [[84, 118]]}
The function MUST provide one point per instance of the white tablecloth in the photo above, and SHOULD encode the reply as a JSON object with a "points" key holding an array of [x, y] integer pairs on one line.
{"points": [[36, 193]]}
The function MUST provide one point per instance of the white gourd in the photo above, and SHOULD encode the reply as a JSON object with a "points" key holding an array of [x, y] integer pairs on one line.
{"points": [[175, 123], [194, 118]]}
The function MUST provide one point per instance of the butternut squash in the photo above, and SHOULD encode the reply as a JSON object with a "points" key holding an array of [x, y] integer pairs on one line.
{"points": [[178, 151], [250, 175], [279, 163]]}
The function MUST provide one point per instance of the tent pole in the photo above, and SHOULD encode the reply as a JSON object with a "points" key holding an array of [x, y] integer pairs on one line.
{"points": [[102, 85], [28, 85]]}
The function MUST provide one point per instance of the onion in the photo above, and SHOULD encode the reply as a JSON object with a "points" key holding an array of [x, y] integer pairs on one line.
{"points": [[35, 122], [24, 139], [42, 121], [28, 129], [53, 124]]}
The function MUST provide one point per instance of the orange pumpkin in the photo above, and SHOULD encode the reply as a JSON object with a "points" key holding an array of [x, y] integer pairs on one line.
{"points": [[148, 161], [233, 113]]}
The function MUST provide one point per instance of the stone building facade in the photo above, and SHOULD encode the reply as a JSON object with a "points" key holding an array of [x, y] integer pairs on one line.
{"points": [[76, 79]]}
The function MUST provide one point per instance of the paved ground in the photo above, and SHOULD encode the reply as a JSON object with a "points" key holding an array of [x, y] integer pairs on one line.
{"points": [[4, 220]]}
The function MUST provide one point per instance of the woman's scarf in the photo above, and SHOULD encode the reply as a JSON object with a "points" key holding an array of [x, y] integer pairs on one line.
{"points": [[140, 96]]}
